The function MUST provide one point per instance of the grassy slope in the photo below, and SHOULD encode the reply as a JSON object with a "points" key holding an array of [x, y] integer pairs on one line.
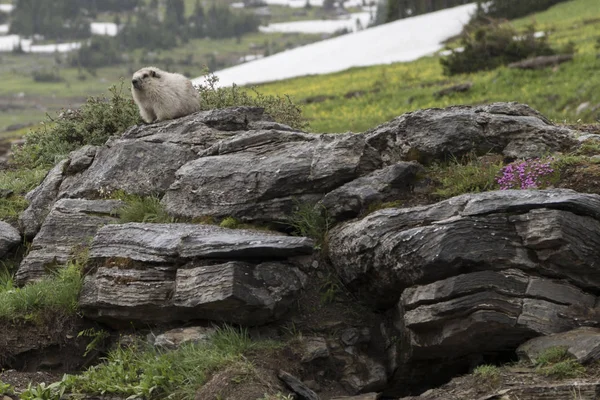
{"points": [[390, 90]]}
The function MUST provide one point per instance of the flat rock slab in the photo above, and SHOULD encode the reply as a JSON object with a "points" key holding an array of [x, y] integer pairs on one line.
{"points": [[160, 243], [9, 238], [174, 338], [68, 229], [582, 343], [551, 233]]}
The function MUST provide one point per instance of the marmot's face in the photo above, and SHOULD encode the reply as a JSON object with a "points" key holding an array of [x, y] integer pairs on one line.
{"points": [[142, 77]]}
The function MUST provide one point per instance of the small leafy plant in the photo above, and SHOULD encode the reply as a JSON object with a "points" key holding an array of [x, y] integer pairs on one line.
{"points": [[527, 174], [6, 388], [281, 109], [54, 391], [97, 120]]}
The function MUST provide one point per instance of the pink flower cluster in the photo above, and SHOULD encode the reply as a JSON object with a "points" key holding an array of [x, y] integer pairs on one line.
{"points": [[527, 174]]}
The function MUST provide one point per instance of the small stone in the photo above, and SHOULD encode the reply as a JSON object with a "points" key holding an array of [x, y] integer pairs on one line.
{"points": [[313, 348], [176, 337]]}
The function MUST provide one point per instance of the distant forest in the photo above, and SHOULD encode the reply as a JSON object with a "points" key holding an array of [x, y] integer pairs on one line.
{"points": [[153, 25], [391, 10]]}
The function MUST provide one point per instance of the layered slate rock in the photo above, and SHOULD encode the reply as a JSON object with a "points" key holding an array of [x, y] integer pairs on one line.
{"points": [[390, 183], [512, 129], [549, 233], [238, 162], [67, 230], [261, 175], [583, 344], [9, 238], [486, 311], [41, 199], [174, 272]]}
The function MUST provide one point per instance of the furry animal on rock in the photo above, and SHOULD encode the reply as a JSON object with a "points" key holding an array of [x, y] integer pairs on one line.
{"points": [[162, 95]]}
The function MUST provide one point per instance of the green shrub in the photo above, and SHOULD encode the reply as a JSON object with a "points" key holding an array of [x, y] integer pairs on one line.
{"points": [[230, 222], [97, 120], [511, 9], [47, 76], [489, 46], [281, 109]]}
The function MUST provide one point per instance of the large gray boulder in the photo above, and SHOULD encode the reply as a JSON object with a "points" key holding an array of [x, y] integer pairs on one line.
{"points": [[144, 273], [67, 230], [552, 233], [512, 129], [261, 175], [486, 311], [583, 344], [475, 274]]}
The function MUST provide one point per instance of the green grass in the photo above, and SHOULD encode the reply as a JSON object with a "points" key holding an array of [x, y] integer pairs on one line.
{"points": [[468, 175], [151, 373], [141, 209], [487, 374], [391, 90], [311, 221], [556, 362], [54, 294], [20, 182]]}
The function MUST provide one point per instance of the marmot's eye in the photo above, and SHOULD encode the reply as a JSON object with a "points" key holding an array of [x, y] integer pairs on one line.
{"points": [[145, 75]]}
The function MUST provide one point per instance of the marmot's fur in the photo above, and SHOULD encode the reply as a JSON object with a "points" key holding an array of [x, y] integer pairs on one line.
{"points": [[162, 95]]}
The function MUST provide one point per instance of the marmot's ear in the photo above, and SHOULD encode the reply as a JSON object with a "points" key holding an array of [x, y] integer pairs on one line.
{"points": [[154, 74]]}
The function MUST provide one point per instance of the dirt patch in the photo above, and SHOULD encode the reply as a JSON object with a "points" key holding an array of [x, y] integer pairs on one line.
{"points": [[251, 379], [48, 345], [508, 377], [583, 178], [20, 380]]}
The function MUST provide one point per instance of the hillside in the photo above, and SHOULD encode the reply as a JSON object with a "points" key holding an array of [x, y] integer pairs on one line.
{"points": [[360, 98]]}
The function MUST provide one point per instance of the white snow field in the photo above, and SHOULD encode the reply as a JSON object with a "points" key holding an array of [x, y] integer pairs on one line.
{"points": [[104, 28], [403, 40], [321, 26]]}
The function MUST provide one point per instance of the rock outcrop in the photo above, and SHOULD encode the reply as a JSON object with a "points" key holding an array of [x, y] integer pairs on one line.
{"points": [[475, 274], [67, 230], [236, 162], [176, 272]]}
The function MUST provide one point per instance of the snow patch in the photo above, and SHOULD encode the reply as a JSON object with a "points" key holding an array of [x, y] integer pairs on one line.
{"points": [[399, 41], [321, 26]]}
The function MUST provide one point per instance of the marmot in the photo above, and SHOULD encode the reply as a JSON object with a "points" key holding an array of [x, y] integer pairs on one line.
{"points": [[162, 95]]}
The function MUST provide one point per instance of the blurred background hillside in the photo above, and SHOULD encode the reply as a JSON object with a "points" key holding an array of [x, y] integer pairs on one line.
{"points": [[53, 54]]}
